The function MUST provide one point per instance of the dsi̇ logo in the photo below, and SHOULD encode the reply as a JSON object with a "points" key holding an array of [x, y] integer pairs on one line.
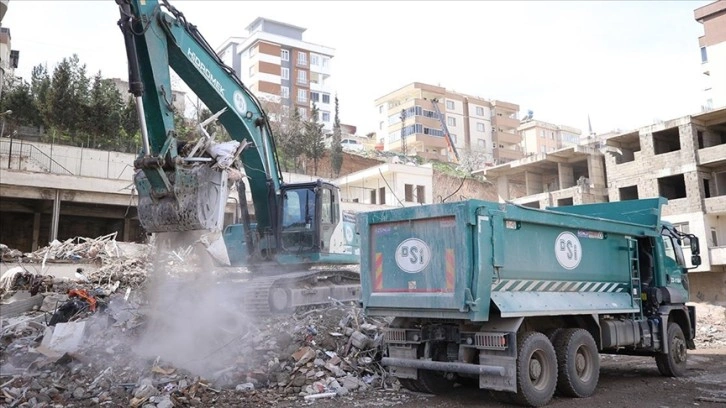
{"points": [[568, 250], [413, 255]]}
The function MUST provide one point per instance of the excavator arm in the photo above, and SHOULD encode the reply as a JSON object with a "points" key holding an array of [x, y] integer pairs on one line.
{"points": [[178, 192]]}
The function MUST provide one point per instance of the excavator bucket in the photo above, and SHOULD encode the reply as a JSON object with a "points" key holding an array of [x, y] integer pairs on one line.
{"points": [[198, 200]]}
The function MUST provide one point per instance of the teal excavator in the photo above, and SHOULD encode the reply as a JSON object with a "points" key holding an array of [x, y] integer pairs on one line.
{"points": [[184, 185]]}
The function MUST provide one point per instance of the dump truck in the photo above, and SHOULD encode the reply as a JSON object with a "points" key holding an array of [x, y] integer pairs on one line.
{"points": [[522, 300]]}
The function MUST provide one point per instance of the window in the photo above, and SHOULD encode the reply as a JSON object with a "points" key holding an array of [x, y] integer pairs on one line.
{"points": [[314, 60], [314, 96], [714, 237], [302, 95], [326, 116], [326, 60], [380, 108], [303, 112], [326, 210], [285, 55], [285, 73], [284, 92], [420, 194], [451, 121], [373, 196], [382, 195], [302, 77], [450, 105], [253, 51], [480, 127], [302, 58], [704, 55], [453, 137], [408, 192], [326, 98], [480, 111], [380, 125], [252, 70], [481, 143]]}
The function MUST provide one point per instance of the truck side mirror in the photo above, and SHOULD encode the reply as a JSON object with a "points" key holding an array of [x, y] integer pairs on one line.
{"points": [[695, 260], [695, 247]]}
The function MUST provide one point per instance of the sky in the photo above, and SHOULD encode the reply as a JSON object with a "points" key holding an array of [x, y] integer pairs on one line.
{"points": [[625, 64]]}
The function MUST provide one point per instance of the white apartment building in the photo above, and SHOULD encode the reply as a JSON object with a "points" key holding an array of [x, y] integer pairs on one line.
{"points": [[277, 65], [543, 137], [713, 53]]}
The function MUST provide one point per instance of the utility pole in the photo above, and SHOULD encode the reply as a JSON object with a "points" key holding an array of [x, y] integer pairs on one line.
{"points": [[403, 136]]}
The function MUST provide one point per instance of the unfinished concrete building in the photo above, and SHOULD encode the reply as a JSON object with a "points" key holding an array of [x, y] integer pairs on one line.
{"points": [[568, 176], [683, 160]]}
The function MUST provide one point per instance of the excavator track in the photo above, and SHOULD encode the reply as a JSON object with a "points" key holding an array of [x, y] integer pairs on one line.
{"points": [[267, 295]]}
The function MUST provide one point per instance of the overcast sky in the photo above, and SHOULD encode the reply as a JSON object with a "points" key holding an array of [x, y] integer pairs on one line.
{"points": [[625, 64]]}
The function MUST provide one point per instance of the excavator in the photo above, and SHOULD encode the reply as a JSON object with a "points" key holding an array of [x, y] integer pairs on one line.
{"points": [[300, 240]]}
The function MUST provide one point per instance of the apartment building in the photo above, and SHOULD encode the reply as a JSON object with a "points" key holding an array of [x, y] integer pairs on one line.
{"points": [[8, 56], [481, 129], [713, 53], [278, 66], [542, 137]]}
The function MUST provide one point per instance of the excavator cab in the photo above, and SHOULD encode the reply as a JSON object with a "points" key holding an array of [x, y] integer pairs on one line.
{"points": [[312, 226]]}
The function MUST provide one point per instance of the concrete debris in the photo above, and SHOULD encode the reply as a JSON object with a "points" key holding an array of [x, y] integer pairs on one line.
{"points": [[710, 326]]}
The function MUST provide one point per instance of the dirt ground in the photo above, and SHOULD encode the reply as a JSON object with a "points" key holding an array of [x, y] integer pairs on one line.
{"points": [[625, 381]]}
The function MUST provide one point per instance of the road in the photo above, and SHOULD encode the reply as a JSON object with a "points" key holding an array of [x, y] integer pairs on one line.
{"points": [[625, 381]]}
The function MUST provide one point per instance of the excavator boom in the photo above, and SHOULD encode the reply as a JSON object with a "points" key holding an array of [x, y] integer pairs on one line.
{"points": [[177, 192]]}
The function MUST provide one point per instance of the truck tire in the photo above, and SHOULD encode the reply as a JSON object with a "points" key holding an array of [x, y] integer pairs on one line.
{"points": [[409, 384], [536, 370], [433, 382], [578, 363], [673, 364]]}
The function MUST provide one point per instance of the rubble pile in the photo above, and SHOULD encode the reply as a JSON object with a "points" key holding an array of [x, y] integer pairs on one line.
{"points": [[710, 326], [322, 353]]}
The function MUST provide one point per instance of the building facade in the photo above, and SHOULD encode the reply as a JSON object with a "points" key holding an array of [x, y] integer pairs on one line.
{"points": [[543, 137], [278, 66], [713, 53], [683, 160], [481, 130]]}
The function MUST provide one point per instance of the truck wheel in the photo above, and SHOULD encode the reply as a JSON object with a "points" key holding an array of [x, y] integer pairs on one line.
{"points": [[536, 370], [409, 384], [673, 364], [578, 363], [433, 382]]}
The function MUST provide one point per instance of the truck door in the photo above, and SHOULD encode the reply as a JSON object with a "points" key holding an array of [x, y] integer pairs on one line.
{"points": [[674, 268]]}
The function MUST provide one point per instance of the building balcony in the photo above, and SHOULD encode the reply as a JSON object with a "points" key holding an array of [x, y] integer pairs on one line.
{"points": [[507, 138], [717, 255], [713, 154], [507, 154], [505, 122], [715, 205]]}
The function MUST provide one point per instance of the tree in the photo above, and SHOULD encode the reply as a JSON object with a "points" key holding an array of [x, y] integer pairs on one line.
{"points": [[336, 148], [17, 97], [39, 86], [314, 143]]}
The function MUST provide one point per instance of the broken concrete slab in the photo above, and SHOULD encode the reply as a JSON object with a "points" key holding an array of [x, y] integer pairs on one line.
{"points": [[63, 338], [19, 304]]}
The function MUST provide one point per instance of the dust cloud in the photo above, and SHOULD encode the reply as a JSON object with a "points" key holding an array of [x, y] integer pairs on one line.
{"points": [[193, 321]]}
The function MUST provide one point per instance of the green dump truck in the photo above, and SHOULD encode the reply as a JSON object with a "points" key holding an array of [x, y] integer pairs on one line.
{"points": [[523, 300]]}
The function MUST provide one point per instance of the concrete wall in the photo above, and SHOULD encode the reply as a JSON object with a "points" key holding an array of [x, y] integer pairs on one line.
{"points": [[708, 287], [44, 157]]}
